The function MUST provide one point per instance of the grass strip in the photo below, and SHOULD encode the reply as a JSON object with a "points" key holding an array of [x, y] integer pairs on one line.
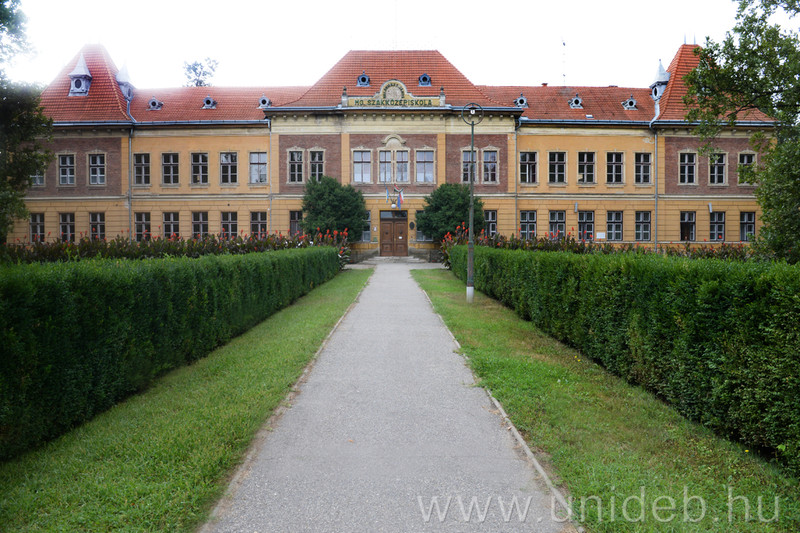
{"points": [[159, 461], [628, 461]]}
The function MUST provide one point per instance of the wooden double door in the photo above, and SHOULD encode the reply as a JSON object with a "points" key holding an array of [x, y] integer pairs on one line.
{"points": [[394, 233]]}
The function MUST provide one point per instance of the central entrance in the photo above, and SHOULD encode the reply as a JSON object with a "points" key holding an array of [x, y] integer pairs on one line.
{"points": [[394, 233]]}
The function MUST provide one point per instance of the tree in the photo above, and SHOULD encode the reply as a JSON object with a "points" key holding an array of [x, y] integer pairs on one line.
{"points": [[198, 73], [446, 208], [330, 206], [757, 67], [22, 125]]}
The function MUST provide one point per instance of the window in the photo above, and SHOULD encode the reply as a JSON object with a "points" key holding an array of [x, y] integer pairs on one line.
{"points": [[614, 167], [230, 224], [295, 221], [467, 166], [37, 180], [687, 225], [527, 167], [66, 169], [527, 225], [258, 167], [385, 166], [229, 168], [687, 170], [557, 172], [642, 227], [716, 169], [141, 226], [716, 227], [97, 226], [586, 225], [141, 169], [258, 223], [362, 165], [37, 227], [171, 224], [295, 166], [169, 169], [585, 167], [365, 234], [557, 224], [490, 166], [747, 225], [317, 164], [425, 166], [746, 162], [97, 169], [67, 226], [199, 224], [200, 168], [641, 168], [614, 225], [401, 173], [421, 237], [490, 217]]}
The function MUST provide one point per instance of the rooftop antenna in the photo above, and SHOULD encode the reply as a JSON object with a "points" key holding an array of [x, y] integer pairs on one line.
{"points": [[564, 61]]}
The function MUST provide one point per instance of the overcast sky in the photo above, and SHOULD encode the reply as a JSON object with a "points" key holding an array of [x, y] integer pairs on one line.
{"points": [[294, 42]]}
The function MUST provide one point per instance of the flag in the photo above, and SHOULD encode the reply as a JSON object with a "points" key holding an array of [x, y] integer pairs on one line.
{"points": [[387, 195]]}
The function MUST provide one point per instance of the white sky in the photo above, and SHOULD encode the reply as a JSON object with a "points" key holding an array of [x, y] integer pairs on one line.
{"points": [[294, 42]]}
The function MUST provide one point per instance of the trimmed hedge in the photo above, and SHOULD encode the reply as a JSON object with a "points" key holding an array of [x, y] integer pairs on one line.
{"points": [[78, 337], [719, 340]]}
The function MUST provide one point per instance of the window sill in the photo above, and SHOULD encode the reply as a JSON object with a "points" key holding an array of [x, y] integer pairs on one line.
{"points": [[557, 183], [716, 185], [141, 186], [528, 184], [642, 185], [258, 184], [615, 184], [199, 185], [687, 185], [592, 184], [228, 185]]}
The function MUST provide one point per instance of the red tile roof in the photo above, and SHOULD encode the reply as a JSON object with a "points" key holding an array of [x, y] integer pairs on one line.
{"points": [[552, 102], [672, 106], [186, 103], [405, 66], [104, 103]]}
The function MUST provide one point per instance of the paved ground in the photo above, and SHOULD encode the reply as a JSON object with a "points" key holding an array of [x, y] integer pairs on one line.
{"points": [[388, 433]]}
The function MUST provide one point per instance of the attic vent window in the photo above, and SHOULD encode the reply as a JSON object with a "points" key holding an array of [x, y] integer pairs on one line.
{"points": [[576, 103], [264, 102], [629, 104], [424, 81], [209, 103], [154, 104], [521, 101], [80, 79], [363, 80]]}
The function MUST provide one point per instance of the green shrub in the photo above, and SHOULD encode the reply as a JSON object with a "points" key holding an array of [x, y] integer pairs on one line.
{"points": [[719, 340], [77, 337]]}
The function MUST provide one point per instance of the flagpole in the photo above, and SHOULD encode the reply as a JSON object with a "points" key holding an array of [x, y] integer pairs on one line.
{"points": [[471, 114]]}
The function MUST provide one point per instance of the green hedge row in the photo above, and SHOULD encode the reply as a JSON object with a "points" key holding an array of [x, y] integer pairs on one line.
{"points": [[78, 337], [719, 340]]}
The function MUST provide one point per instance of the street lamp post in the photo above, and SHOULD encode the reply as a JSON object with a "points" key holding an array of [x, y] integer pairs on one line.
{"points": [[471, 114]]}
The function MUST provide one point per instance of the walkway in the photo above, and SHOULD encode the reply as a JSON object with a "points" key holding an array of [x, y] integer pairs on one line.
{"points": [[388, 433]]}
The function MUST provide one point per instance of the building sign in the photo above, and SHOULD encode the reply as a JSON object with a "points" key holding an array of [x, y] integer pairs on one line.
{"points": [[394, 94]]}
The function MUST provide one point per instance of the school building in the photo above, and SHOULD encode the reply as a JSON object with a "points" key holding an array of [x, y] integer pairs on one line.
{"points": [[612, 164]]}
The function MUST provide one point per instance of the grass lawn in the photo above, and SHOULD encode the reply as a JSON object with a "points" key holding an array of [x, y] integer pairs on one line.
{"points": [[627, 461], [160, 460]]}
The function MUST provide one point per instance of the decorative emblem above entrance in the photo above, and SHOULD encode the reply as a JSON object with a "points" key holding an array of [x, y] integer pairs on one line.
{"points": [[394, 94]]}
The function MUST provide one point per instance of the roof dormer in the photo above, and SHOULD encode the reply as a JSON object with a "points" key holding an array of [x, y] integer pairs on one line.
{"points": [[576, 102], [125, 83], [660, 83], [80, 79]]}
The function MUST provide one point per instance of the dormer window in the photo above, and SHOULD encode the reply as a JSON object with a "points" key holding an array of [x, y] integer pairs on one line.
{"points": [[125, 84], [521, 101], [154, 104], [629, 104], [209, 103], [80, 79], [263, 102], [424, 81], [576, 102], [363, 80]]}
